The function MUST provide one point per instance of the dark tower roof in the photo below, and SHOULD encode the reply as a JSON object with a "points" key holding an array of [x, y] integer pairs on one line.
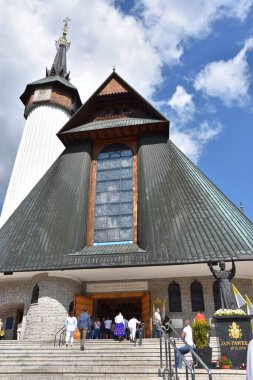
{"points": [[59, 66], [57, 79]]}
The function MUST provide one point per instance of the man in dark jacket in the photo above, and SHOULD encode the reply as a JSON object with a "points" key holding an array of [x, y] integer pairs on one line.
{"points": [[84, 325]]}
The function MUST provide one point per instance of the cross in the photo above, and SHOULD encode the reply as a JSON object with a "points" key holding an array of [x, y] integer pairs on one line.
{"points": [[66, 21]]}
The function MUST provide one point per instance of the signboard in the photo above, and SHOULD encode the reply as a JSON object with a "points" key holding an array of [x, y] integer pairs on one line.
{"points": [[42, 94], [117, 287], [177, 323], [234, 334]]}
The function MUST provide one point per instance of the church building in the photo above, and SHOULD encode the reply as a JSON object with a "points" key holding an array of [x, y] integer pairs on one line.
{"points": [[103, 211]]}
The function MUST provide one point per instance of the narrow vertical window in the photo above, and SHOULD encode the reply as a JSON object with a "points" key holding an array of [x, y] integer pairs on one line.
{"points": [[216, 295], [175, 297], [197, 297], [113, 221]]}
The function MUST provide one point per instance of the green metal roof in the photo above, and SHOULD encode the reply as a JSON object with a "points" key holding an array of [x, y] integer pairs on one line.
{"points": [[55, 78], [182, 216], [112, 123]]}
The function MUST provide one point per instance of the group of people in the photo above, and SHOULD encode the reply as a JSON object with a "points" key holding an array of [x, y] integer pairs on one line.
{"points": [[106, 328]]}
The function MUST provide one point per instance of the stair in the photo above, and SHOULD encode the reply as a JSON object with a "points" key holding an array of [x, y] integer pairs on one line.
{"points": [[102, 359]]}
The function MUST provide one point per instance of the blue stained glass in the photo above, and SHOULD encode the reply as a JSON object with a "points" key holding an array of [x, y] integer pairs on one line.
{"points": [[113, 209], [101, 198], [114, 173], [114, 185], [100, 235], [114, 195], [126, 173], [102, 175], [115, 163], [126, 153], [101, 210], [102, 165], [113, 234], [113, 221], [126, 234], [126, 208], [126, 196], [126, 184], [126, 163], [126, 221], [102, 186], [100, 222]]}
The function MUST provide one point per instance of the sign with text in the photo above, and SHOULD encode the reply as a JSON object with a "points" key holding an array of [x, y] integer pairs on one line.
{"points": [[117, 287], [42, 94], [234, 333]]}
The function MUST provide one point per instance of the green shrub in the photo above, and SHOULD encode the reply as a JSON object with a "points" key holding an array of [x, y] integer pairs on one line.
{"points": [[201, 333]]}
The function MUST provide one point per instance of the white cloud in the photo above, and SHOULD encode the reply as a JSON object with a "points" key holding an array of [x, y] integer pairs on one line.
{"points": [[194, 141], [101, 36], [181, 102], [171, 24], [227, 80]]}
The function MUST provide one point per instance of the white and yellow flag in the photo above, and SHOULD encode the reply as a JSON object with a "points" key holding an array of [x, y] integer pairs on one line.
{"points": [[249, 309], [239, 298]]}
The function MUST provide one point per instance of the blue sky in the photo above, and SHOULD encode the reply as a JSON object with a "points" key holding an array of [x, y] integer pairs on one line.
{"points": [[192, 60]]}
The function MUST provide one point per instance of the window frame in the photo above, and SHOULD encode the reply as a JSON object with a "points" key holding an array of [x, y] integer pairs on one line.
{"points": [[131, 143]]}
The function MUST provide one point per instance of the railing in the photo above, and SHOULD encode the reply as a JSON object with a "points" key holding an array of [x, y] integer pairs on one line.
{"points": [[60, 335], [166, 342], [140, 331]]}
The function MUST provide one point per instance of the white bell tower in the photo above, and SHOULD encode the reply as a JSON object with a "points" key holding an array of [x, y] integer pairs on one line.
{"points": [[49, 103]]}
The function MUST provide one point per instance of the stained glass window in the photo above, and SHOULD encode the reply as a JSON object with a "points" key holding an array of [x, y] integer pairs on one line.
{"points": [[113, 220]]}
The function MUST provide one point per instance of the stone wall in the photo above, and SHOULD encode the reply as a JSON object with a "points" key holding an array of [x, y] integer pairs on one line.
{"points": [[43, 319]]}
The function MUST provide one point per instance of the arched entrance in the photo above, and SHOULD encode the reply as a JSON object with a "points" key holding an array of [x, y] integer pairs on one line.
{"points": [[11, 315]]}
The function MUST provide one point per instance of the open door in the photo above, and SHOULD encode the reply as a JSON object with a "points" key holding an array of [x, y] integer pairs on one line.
{"points": [[82, 302], [145, 306]]}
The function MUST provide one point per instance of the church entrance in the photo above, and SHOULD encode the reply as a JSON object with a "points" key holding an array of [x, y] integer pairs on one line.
{"points": [[131, 304]]}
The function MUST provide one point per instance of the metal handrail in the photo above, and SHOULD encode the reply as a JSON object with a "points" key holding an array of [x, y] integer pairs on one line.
{"points": [[169, 342], [60, 331]]}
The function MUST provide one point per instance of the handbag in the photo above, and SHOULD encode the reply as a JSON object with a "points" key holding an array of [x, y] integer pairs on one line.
{"points": [[1, 332]]}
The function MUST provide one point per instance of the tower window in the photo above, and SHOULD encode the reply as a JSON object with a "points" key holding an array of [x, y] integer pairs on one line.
{"points": [[113, 221]]}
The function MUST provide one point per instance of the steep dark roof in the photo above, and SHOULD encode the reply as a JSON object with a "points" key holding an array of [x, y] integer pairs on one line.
{"points": [[127, 94], [182, 216]]}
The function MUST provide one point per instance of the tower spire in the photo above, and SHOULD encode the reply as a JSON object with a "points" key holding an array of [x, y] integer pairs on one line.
{"points": [[59, 66]]}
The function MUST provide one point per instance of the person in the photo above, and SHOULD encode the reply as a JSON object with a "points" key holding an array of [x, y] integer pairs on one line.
{"points": [[91, 332], [224, 277], [97, 325], [187, 335], [71, 326], [1, 330], [84, 325], [132, 325], [126, 328], [108, 325], [158, 320], [119, 329], [250, 361], [19, 329], [102, 328], [200, 317]]}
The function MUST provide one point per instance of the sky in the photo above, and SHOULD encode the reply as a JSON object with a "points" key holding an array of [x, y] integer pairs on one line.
{"points": [[193, 60]]}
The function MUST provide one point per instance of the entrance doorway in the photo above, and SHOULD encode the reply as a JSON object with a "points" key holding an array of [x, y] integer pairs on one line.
{"points": [[129, 307], [131, 304]]}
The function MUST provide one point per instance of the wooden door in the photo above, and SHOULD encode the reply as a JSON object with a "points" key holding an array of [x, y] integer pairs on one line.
{"points": [[82, 302], [145, 306]]}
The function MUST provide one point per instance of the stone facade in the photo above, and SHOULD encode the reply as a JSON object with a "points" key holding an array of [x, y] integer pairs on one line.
{"points": [[42, 319]]}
